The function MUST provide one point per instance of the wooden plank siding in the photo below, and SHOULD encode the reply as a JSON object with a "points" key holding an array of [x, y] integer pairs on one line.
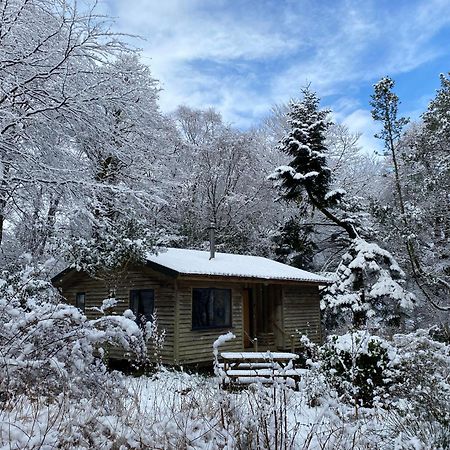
{"points": [[281, 310], [135, 278], [301, 312], [195, 346]]}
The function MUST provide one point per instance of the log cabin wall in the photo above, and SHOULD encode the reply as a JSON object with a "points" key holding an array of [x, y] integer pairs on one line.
{"points": [[135, 278], [301, 312]]}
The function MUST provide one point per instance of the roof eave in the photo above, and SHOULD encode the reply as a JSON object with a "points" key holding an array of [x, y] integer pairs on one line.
{"points": [[58, 277], [196, 276], [163, 269]]}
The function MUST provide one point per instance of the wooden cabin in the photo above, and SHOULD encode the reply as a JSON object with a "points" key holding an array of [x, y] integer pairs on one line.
{"points": [[196, 298]]}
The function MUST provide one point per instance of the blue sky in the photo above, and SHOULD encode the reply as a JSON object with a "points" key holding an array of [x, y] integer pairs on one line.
{"points": [[243, 56]]}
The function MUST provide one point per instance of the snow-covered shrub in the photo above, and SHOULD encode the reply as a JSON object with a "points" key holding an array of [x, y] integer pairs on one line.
{"points": [[307, 351], [154, 337], [114, 246], [358, 365], [421, 409], [48, 347], [441, 333], [368, 290]]}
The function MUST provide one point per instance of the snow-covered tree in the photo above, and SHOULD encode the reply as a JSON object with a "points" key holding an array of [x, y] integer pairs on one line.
{"points": [[369, 289], [366, 281], [49, 51], [307, 175], [81, 135], [217, 176], [122, 185], [414, 215]]}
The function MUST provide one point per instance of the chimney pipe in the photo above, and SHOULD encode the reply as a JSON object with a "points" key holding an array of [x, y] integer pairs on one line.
{"points": [[212, 241]]}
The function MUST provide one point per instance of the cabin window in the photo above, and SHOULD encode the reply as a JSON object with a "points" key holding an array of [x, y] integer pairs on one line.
{"points": [[211, 308], [80, 301], [142, 304]]}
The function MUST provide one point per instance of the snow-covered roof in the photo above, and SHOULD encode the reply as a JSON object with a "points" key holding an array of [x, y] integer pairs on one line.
{"points": [[196, 262]]}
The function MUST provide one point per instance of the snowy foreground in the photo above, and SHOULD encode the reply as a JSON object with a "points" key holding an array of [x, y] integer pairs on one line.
{"points": [[177, 410], [360, 391]]}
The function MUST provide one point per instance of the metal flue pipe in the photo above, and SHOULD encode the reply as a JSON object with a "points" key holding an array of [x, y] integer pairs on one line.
{"points": [[212, 241]]}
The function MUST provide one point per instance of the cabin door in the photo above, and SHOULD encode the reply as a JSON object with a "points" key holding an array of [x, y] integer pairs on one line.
{"points": [[248, 317]]}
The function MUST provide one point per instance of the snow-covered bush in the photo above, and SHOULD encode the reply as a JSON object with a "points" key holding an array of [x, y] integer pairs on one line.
{"points": [[308, 351], [114, 246], [368, 290], [48, 347], [421, 393], [440, 333], [155, 337], [359, 366]]}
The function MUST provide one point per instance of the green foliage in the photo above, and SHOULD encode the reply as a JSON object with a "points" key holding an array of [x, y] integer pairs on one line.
{"points": [[294, 245], [358, 366], [306, 143]]}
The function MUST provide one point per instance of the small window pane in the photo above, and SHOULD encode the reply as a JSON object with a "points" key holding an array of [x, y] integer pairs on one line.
{"points": [[146, 302], [80, 301], [222, 310]]}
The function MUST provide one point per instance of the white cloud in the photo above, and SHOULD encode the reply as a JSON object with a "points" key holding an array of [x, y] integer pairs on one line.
{"points": [[364, 44], [360, 121], [181, 36], [244, 56]]}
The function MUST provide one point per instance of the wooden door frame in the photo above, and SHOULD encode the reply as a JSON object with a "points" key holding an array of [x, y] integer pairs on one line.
{"points": [[248, 317]]}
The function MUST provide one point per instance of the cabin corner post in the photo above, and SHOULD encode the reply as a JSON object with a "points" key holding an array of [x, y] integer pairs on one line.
{"points": [[176, 332], [320, 319], [283, 317]]}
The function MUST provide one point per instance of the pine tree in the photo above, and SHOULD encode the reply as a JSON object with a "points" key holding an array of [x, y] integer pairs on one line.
{"points": [[368, 282], [307, 176], [368, 289], [294, 245], [436, 131], [305, 142]]}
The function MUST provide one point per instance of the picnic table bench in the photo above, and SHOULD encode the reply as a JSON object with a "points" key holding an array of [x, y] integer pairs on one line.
{"points": [[253, 367]]}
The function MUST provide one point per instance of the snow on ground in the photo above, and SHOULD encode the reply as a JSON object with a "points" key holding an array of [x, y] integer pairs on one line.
{"points": [[177, 410], [192, 411]]}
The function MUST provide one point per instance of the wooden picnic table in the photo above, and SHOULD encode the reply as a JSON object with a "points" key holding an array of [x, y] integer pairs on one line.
{"points": [[281, 358], [250, 367]]}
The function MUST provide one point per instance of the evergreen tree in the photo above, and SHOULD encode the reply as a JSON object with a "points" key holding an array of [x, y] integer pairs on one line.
{"points": [[368, 282], [307, 177], [305, 142], [368, 289], [294, 245], [420, 166]]}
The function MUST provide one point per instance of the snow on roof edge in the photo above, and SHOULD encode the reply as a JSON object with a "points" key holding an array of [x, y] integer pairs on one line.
{"points": [[197, 263]]}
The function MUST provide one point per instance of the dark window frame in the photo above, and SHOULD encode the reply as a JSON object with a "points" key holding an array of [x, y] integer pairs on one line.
{"points": [[200, 327], [135, 308], [77, 301]]}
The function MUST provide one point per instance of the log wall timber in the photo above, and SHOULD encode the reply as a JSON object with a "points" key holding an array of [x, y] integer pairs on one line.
{"points": [[301, 313], [135, 278]]}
